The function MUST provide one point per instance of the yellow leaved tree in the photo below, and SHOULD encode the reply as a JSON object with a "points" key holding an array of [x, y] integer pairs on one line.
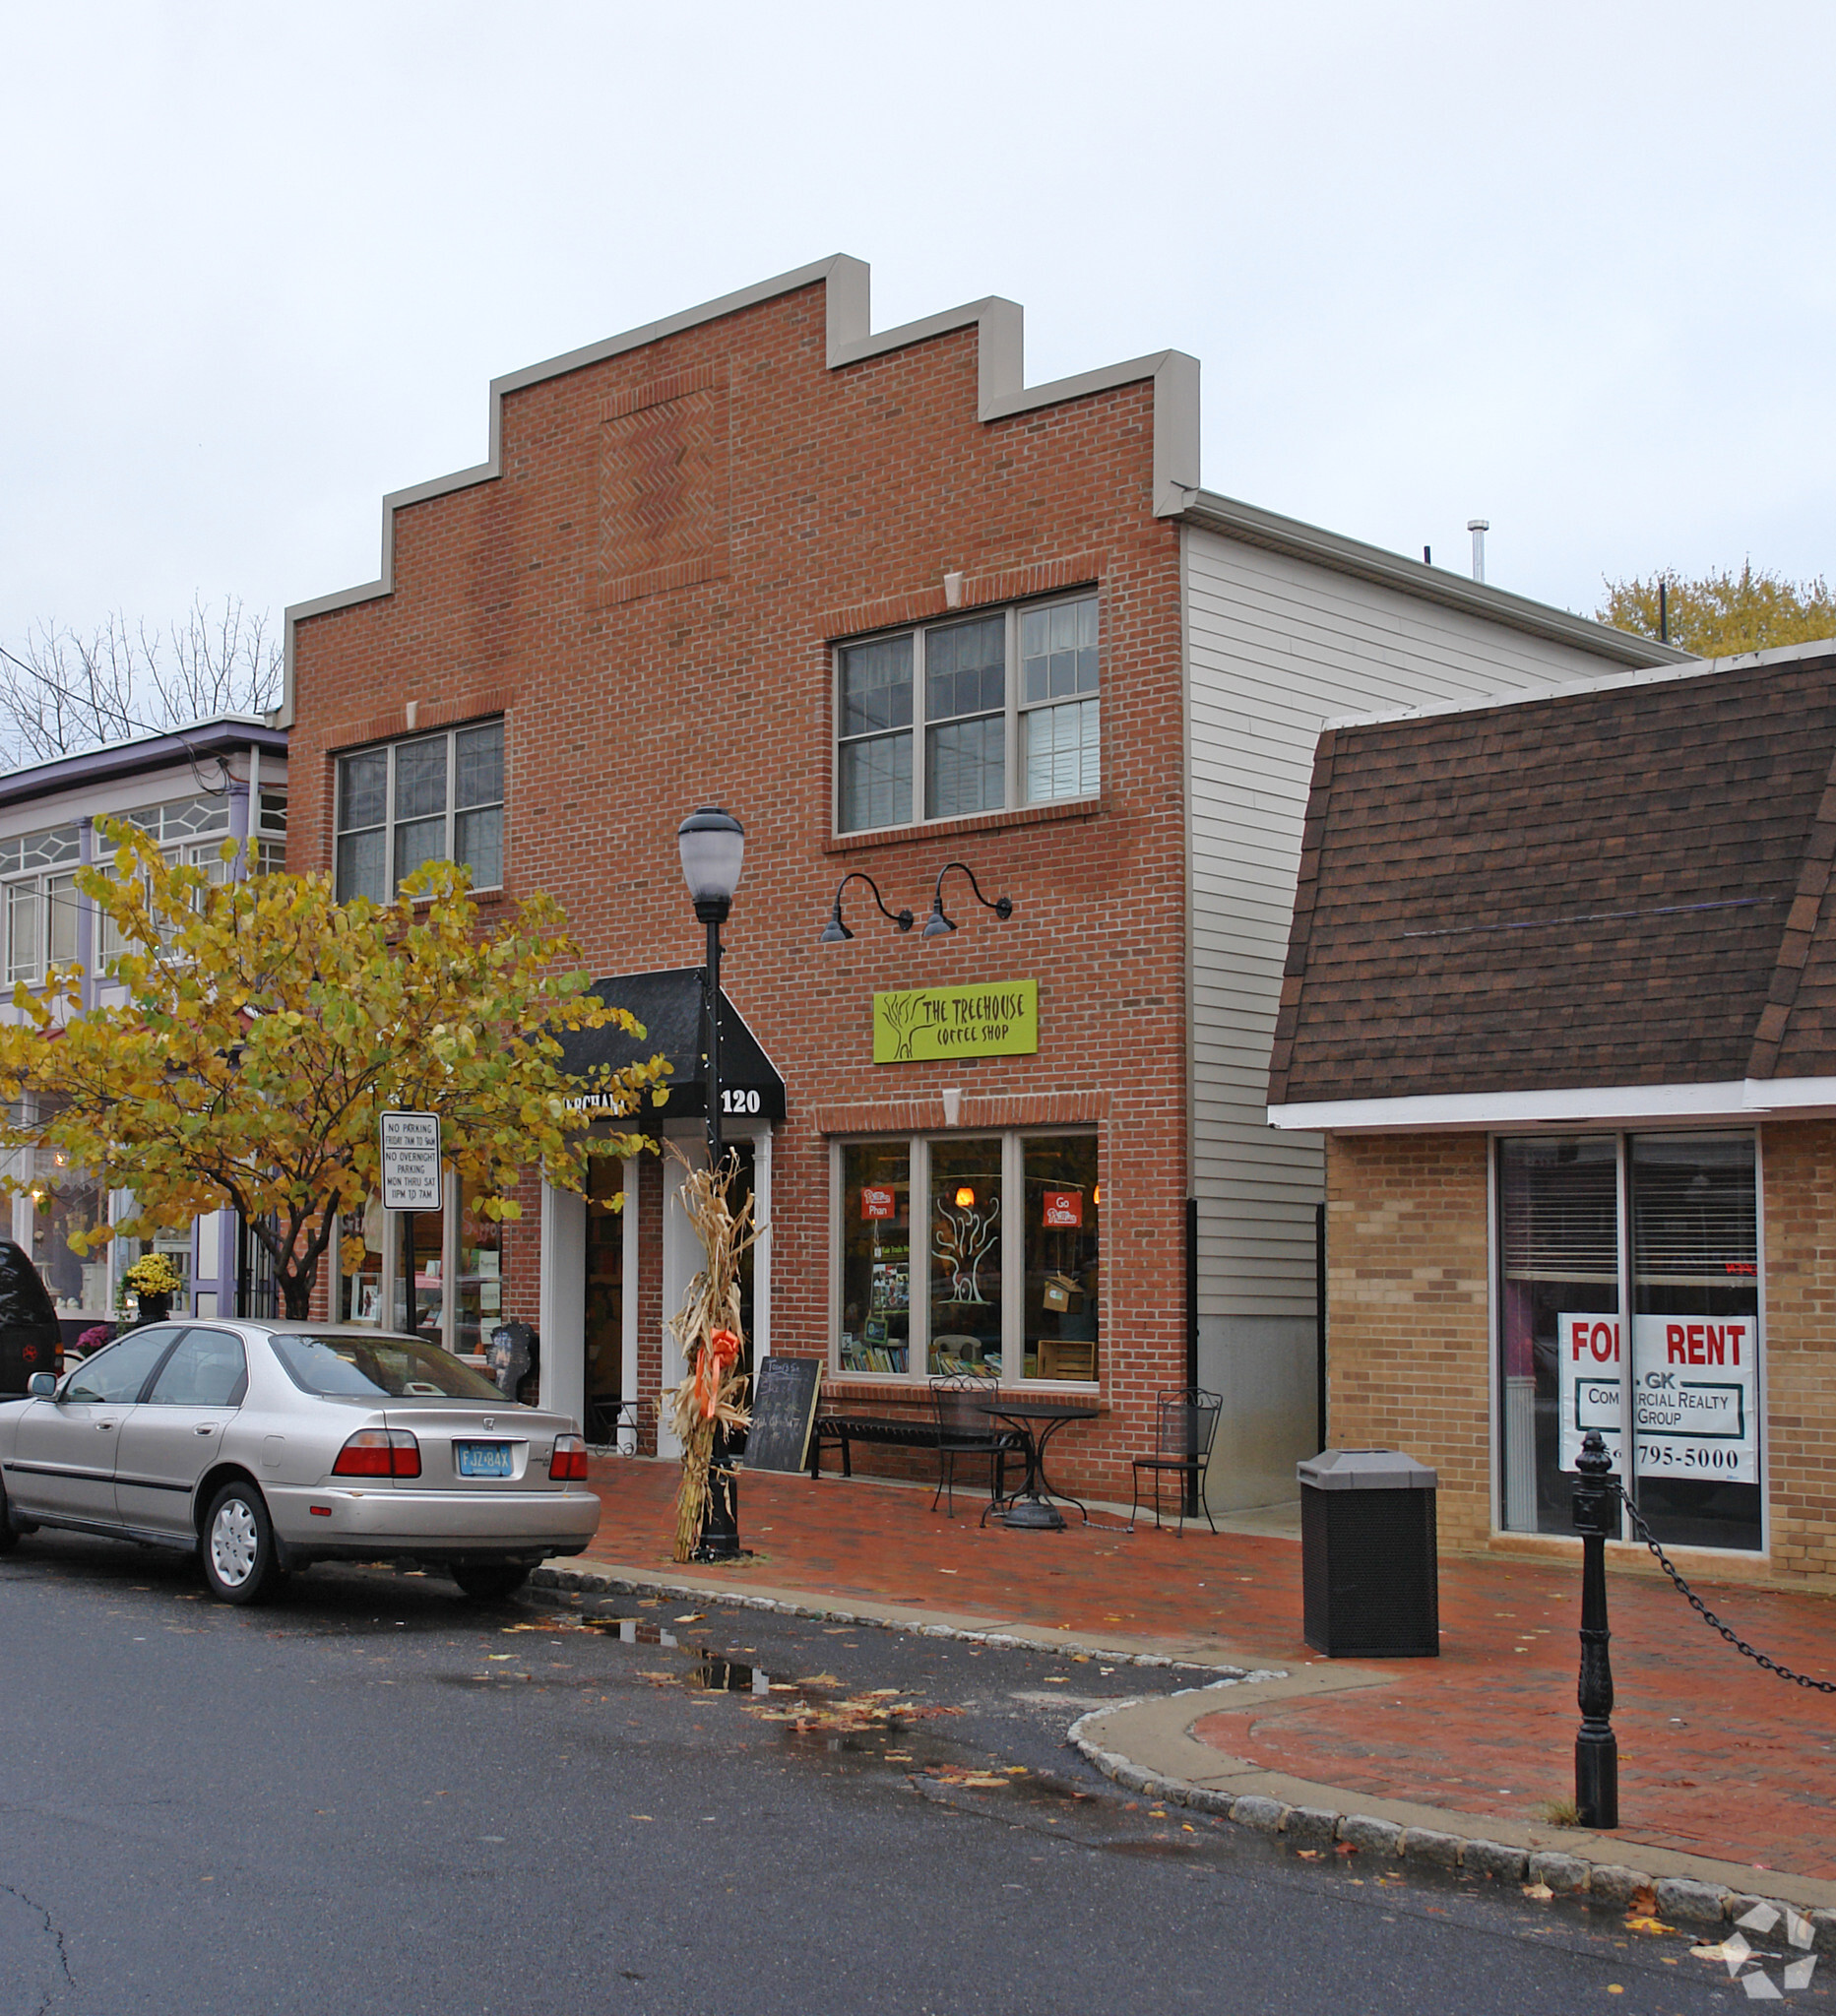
{"points": [[247, 1036], [1718, 615]]}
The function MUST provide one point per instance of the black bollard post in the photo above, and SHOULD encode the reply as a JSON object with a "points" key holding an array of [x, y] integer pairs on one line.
{"points": [[720, 1524], [1596, 1747]]}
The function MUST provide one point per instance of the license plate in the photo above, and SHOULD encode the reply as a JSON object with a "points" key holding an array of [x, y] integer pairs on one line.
{"points": [[483, 1458]]}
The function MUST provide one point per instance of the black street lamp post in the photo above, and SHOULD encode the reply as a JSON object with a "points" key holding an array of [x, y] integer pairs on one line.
{"points": [[713, 846], [1596, 1747]]}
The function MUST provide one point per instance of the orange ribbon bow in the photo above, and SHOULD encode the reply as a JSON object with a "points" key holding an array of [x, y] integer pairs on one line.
{"points": [[717, 1356]]}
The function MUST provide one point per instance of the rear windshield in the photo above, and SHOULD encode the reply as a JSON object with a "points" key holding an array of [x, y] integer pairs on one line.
{"points": [[378, 1368]]}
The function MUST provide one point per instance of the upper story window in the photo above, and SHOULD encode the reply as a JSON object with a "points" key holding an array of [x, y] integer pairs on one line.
{"points": [[41, 901], [270, 837], [972, 715], [436, 798]]}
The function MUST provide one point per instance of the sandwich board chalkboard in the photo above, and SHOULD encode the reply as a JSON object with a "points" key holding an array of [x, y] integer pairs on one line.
{"points": [[783, 1406]]}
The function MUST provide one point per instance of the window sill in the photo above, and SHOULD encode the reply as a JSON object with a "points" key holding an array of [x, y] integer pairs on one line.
{"points": [[974, 822]]}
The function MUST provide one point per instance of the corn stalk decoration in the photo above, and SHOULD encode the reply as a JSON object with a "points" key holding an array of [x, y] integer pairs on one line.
{"points": [[707, 1327]]}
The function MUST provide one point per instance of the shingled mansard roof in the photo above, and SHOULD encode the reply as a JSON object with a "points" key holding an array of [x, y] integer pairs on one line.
{"points": [[1606, 902]]}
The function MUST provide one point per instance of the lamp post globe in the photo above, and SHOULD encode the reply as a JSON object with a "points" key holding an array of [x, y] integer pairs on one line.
{"points": [[713, 846]]}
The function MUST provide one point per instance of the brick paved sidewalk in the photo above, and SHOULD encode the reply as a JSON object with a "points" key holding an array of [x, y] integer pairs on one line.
{"points": [[1715, 1758]]}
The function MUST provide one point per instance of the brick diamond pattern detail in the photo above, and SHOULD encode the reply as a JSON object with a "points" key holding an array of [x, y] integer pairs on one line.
{"points": [[664, 514]]}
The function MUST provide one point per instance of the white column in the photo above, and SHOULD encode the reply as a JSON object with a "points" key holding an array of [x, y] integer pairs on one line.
{"points": [[562, 1314]]}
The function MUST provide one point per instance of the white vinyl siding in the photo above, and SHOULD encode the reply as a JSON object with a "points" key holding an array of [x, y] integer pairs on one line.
{"points": [[1276, 647]]}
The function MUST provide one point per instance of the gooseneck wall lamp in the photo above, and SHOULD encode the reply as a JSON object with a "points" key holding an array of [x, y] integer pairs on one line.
{"points": [[834, 932], [940, 924]]}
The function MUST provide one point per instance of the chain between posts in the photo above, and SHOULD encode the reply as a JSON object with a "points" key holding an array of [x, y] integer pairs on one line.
{"points": [[1701, 1609]]}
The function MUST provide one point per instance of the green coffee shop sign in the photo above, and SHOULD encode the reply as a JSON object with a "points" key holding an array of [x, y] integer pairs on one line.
{"points": [[1000, 1019]]}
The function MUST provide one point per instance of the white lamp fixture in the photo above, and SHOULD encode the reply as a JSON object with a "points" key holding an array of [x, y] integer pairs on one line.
{"points": [[713, 846]]}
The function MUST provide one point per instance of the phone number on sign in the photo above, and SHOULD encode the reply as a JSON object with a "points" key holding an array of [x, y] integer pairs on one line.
{"points": [[1691, 1456]]}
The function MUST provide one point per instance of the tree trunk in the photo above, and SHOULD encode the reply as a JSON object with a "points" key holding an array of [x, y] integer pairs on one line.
{"points": [[297, 1294]]}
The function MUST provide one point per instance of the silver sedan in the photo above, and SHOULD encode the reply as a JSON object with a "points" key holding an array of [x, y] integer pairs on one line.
{"points": [[265, 1446]]}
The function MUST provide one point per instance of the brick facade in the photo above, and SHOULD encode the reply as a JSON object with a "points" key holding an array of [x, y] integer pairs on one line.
{"points": [[1798, 1163], [1407, 1326], [649, 592], [1409, 1331]]}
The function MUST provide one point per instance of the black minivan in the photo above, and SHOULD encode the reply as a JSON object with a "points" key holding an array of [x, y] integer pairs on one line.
{"points": [[30, 1339]]}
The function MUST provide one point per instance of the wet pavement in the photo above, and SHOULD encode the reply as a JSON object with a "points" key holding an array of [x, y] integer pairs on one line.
{"points": [[1717, 1757], [375, 1795]]}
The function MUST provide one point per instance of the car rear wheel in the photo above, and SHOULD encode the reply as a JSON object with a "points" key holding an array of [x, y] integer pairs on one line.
{"points": [[236, 1547], [490, 1582], [8, 1536]]}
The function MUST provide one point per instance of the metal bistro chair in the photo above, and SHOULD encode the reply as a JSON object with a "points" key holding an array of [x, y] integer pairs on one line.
{"points": [[963, 1428], [1186, 1421]]}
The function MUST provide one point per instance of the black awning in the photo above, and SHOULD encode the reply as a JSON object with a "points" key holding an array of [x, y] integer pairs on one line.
{"points": [[669, 1006]]}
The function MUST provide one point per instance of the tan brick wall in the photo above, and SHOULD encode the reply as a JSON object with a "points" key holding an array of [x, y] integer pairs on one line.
{"points": [[1798, 1165], [1408, 1346], [1407, 1343]]}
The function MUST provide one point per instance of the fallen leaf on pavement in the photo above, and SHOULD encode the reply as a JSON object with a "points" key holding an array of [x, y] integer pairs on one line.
{"points": [[1643, 1901], [1539, 1893], [1645, 1921]]}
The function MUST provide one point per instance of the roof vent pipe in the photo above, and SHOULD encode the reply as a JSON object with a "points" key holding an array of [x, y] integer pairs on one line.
{"points": [[1478, 527]]}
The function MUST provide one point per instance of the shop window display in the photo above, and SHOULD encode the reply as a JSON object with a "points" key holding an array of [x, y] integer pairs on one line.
{"points": [[1674, 1391], [876, 1258], [1063, 1202], [1008, 1281], [965, 1260]]}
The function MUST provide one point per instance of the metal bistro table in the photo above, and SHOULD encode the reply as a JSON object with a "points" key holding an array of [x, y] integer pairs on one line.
{"points": [[1038, 1421]]}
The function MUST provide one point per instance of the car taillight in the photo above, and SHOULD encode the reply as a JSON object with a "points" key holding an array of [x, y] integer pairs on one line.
{"points": [[379, 1452], [568, 1464]]}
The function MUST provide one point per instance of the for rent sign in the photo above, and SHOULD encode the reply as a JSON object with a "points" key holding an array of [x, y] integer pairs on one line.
{"points": [[1695, 1393]]}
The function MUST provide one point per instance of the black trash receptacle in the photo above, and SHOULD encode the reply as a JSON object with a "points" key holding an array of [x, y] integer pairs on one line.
{"points": [[1367, 1565]]}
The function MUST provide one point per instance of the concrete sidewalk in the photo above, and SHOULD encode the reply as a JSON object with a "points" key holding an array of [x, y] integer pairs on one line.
{"points": [[1728, 1774]]}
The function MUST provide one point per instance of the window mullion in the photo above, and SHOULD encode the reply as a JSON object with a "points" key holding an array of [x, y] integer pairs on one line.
{"points": [[1010, 692], [1013, 1262], [920, 784], [917, 1276]]}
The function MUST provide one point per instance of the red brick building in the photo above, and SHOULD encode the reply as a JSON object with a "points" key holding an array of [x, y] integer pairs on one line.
{"points": [[895, 609], [1561, 992]]}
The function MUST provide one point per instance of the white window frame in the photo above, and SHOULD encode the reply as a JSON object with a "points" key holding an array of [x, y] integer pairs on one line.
{"points": [[390, 820], [1015, 709], [917, 1374], [1494, 1254], [46, 882]]}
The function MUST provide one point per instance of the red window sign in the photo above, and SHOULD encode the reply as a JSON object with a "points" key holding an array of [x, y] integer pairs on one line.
{"points": [[877, 1203], [1064, 1207]]}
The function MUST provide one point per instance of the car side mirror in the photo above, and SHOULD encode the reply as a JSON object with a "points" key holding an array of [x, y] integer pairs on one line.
{"points": [[42, 1385]]}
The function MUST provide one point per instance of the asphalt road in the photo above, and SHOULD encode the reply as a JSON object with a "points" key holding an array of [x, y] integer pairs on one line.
{"points": [[373, 1796]]}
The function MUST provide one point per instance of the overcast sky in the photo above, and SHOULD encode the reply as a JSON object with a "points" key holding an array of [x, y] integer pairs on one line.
{"points": [[1565, 266]]}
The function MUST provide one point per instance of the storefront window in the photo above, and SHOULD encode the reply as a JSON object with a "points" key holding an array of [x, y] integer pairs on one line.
{"points": [[478, 1289], [360, 1262], [966, 1256], [877, 1257], [1062, 1205], [68, 1203], [1695, 1337], [1677, 1400], [1010, 1257], [1558, 1233], [419, 1251], [606, 1296]]}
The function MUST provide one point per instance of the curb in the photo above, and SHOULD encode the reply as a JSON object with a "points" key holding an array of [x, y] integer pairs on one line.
{"points": [[1680, 1899], [589, 1583]]}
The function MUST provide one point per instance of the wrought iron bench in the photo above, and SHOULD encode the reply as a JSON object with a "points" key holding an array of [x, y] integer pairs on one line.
{"points": [[902, 1431]]}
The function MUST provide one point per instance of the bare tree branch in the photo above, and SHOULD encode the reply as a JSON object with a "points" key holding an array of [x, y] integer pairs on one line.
{"points": [[62, 692]]}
